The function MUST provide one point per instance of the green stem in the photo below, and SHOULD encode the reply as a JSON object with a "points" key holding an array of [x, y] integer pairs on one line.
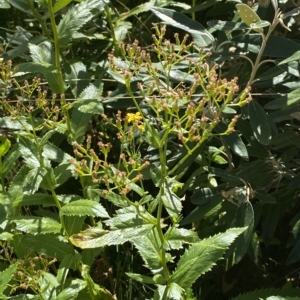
{"points": [[39, 19], [56, 47], [112, 31], [2, 177]]}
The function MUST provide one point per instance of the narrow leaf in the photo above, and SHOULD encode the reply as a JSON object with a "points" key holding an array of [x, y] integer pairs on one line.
{"points": [[6, 276], [200, 35], [259, 123]]}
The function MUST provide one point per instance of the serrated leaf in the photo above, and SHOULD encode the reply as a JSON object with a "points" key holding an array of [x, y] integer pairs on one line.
{"points": [[171, 203], [42, 54], [149, 248], [84, 208], [79, 123], [29, 151], [52, 152], [176, 237], [259, 123], [75, 18], [6, 276], [9, 160], [33, 180], [200, 35], [128, 217], [36, 225], [202, 256], [95, 237]]}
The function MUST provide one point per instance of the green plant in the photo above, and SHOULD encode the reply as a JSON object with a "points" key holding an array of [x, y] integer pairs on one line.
{"points": [[117, 203]]}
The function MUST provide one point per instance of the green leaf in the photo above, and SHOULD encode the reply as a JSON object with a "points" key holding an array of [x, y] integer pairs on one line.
{"points": [[42, 54], [128, 217], [259, 123], [140, 278], [36, 225], [243, 217], [270, 218], [29, 151], [10, 160], [204, 195], [35, 199], [33, 180], [172, 203], [6, 276], [77, 77], [4, 4], [71, 292], [4, 145], [138, 9], [95, 237], [227, 25], [84, 208], [199, 212], [264, 196], [74, 224], [202, 256], [176, 237], [47, 284], [90, 100], [46, 244], [201, 36], [51, 152], [234, 142], [95, 290], [248, 15], [149, 248], [295, 56], [22, 5], [67, 263], [277, 46], [75, 18], [285, 101], [60, 4], [294, 255], [79, 123]]}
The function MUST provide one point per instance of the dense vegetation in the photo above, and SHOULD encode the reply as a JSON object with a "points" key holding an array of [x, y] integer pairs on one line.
{"points": [[149, 150]]}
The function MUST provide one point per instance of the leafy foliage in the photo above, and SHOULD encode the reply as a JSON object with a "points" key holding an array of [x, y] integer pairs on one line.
{"points": [[126, 155]]}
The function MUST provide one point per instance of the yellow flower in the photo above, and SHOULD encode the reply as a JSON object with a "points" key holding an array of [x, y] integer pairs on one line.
{"points": [[141, 127], [133, 117]]}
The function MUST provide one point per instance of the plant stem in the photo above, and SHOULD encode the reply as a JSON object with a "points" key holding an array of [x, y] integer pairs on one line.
{"points": [[56, 48]]}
